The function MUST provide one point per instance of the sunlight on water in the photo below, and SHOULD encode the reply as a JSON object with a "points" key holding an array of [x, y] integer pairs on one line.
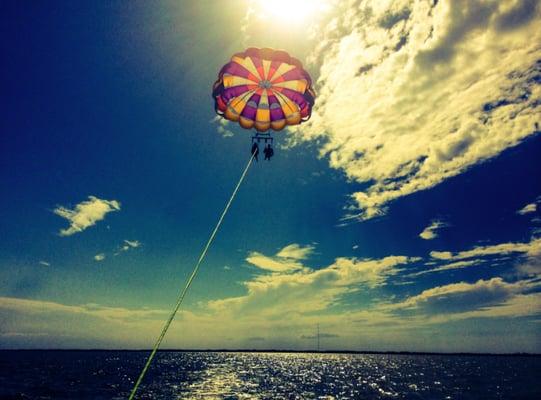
{"points": [[218, 381], [265, 376]]}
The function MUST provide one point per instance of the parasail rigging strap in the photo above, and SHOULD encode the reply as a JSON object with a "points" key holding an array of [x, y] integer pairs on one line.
{"points": [[189, 282], [262, 136]]}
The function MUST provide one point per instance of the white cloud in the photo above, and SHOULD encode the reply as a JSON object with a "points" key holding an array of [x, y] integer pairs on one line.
{"points": [[306, 290], [278, 306], [287, 259], [531, 267], [112, 313], [99, 257], [448, 267], [402, 106], [130, 244], [33, 323], [127, 245], [39, 323], [527, 209], [519, 305], [296, 252], [462, 297], [86, 214], [430, 232], [492, 298], [224, 132], [526, 258], [372, 273], [307, 295], [223, 126], [44, 263], [273, 264], [530, 249]]}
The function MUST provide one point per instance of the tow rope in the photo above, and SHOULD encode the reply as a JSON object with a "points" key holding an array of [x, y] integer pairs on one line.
{"points": [[189, 282]]}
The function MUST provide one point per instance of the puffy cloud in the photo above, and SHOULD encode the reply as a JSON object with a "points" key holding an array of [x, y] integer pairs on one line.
{"points": [[86, 214], [372, 273], [273, 264], [520, 305], [530, 249], [493, 298], [307, 296], [222, 130], [296, 252], [287, 259], [401, 104], [430, 232], [99, 257], [526, 258], [527, 209], [307, 290], [222, 127], [462, 296]]}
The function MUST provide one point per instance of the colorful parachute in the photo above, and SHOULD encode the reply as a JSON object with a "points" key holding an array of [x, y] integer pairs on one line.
{"points": [[264, 89]]}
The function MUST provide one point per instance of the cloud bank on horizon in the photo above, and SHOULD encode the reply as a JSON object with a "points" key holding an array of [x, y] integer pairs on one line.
{"points": [[287, 301], [412, 93]]}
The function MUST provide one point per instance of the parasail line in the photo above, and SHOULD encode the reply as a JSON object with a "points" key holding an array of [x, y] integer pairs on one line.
{"points": [[189, 282]]}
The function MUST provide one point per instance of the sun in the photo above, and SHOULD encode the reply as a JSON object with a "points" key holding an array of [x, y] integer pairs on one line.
{"points": [[293, 11]]}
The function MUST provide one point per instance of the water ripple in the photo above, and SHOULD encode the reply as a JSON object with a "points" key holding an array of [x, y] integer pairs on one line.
{"points": [[279, 376]]}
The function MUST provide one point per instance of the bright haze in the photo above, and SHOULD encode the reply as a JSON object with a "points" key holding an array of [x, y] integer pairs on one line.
{"points": [[403, 216]]}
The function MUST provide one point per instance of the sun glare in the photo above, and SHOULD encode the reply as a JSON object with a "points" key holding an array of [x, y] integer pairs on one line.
{"points": [[293, 11]]}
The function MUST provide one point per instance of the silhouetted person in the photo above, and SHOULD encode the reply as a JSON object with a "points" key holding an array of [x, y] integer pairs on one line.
{"points": [[255, 150], [269, 152]]}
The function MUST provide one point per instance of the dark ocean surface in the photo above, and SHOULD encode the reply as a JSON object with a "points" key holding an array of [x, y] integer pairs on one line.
{"points": [[231, 376]]}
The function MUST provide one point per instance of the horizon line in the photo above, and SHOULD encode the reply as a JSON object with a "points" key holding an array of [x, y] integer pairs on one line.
{"points": [[400, 352]]}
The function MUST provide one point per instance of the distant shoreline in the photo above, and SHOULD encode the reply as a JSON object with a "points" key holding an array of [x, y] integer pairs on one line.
{"points": [[407, 353]]}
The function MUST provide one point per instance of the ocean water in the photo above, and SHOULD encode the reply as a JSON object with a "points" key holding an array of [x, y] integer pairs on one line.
{"points": [[231, 376]]}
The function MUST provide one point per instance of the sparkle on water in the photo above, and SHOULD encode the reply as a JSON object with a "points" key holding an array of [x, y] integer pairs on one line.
{"points": [[234, 376]]}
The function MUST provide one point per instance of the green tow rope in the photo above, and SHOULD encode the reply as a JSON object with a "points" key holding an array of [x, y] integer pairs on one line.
{"points": [[188, 283]]}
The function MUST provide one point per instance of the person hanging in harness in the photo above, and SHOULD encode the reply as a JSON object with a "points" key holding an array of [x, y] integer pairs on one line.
{"points": [[255, 150], [269, 152]]}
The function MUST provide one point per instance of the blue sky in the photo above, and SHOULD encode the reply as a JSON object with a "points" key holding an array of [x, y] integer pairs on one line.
{"points": [[403, 216]]}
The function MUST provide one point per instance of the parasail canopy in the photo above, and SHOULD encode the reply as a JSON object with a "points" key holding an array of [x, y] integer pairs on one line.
{"points": [[264, 89]]}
